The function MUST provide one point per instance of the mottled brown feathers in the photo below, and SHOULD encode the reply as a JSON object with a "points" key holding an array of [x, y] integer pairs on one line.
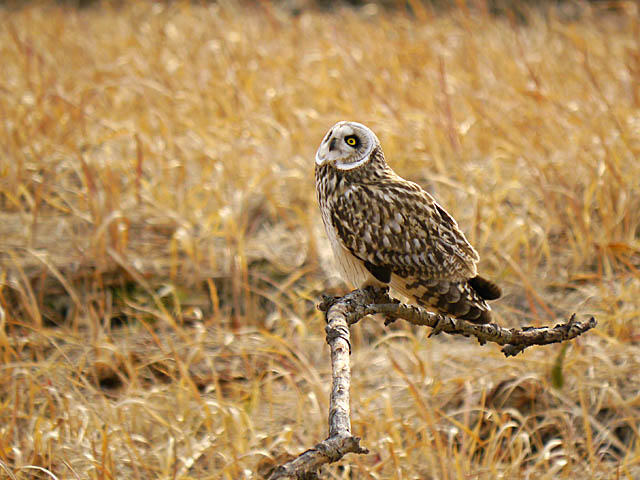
{"points": [[390, 222], [384, 229]]}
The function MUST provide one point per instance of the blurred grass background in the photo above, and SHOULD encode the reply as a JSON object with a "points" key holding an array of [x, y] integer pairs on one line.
{"points": [[161, 251]]}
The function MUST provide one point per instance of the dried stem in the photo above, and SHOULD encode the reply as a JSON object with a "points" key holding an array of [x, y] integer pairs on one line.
{"points": [[514, 340], [342, 312], [339, 442]]}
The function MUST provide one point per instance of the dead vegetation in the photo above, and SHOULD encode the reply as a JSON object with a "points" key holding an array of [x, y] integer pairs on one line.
{"points": [[161, 253]]}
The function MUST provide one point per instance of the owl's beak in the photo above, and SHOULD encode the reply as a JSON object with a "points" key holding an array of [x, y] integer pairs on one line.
{"points": [[321, 159], [322, 155]]}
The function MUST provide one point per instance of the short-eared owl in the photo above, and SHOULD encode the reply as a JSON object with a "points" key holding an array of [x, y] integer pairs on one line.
{"points": [[385, 230]]}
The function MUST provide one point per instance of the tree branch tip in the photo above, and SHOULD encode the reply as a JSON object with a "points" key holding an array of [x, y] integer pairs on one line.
{"points": [[572, 322], [349, 444], [358, 448]]}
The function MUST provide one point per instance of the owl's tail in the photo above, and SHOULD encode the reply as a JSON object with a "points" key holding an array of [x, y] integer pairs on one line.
{"points": [[466, 300], [485, 288]]}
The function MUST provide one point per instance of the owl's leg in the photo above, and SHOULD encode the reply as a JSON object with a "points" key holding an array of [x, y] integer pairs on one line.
{"points": [[379, 289], [381, 295]]}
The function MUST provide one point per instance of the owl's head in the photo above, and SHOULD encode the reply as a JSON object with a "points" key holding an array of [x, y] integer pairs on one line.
{"points": [[347, 145]]}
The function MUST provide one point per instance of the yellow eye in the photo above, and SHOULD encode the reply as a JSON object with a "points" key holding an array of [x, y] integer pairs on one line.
{"points": [[351, 140]]}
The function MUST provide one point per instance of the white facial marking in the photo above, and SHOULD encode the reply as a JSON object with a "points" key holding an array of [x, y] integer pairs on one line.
{"points": [[351, 165], [346, 156]]}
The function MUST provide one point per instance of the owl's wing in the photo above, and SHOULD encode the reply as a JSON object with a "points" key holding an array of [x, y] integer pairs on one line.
{"points": [[394, 226]]}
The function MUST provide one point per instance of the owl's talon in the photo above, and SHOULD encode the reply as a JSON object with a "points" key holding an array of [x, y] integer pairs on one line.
{"points": [[379, 293], [388, 320], [438, 328]]}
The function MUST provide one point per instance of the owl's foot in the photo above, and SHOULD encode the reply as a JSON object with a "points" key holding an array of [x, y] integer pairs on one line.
{"points": [[380, 292], [438, 327], [381, 296]]}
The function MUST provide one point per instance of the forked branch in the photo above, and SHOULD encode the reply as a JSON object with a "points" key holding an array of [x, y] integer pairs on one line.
{"points": [[339, 442], [342, 312]]}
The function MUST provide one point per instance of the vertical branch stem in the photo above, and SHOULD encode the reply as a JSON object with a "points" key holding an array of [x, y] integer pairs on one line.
{"points": [[338, 338], [339, 442]]}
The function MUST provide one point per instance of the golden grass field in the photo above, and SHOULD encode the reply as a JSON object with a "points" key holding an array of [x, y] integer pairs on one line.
{"points": [[162, 253]]}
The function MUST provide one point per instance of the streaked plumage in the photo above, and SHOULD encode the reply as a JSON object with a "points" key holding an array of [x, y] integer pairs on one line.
{"points": [[384, 229]]}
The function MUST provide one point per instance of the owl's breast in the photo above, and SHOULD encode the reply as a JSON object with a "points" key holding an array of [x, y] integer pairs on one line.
{"points": [[351, 268]]}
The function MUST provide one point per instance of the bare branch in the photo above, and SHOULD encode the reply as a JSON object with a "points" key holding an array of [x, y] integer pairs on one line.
{"points": [[342, 312], [515, 340]]}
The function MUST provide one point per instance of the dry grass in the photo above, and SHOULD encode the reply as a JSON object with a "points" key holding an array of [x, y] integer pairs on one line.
{"points": [[161, 252]]}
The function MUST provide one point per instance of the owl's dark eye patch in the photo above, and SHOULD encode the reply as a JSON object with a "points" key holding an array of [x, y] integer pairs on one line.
{"points": [[352, 141]]}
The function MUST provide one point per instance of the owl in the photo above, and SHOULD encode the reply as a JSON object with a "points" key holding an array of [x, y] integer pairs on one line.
{"points": [[385, 230]]}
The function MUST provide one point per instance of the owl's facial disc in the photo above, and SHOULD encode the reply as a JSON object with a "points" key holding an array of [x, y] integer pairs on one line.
{"points": [[346, 146]]}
